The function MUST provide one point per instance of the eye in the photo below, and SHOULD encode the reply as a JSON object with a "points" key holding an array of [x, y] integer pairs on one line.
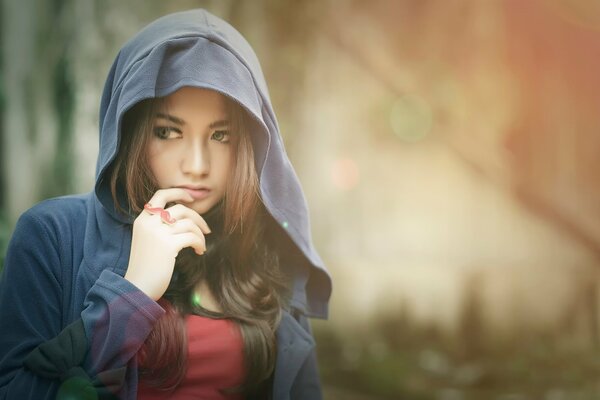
{"points": [[221, 136], [166, 132]]}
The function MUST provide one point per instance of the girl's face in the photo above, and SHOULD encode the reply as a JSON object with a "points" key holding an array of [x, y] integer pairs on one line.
{"points": [[191, 146]]}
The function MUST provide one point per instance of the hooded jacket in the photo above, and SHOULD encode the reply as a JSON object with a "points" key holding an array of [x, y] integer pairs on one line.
{"points": [[71, 322]]}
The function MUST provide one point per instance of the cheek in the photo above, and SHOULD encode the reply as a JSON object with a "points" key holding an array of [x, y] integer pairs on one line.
{"points": [[152, 151], [159, 161]]}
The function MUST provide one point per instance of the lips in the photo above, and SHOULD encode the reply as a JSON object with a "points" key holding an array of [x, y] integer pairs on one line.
{"points": [[197, 192]]}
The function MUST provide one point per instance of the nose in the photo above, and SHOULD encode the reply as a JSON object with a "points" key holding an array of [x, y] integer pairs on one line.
{"points": [[196, 160]]}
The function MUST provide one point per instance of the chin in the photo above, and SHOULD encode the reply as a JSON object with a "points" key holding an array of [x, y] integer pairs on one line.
{"points": [[202, 208]]}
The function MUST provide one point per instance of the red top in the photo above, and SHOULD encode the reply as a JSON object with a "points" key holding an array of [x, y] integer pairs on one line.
{"points": [[215, 361]]}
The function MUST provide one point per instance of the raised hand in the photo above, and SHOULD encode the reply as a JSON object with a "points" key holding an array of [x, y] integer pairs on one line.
{"points": [[159, 235]]}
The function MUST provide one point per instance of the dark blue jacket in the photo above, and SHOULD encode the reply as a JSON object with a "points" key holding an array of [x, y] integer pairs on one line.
{"points": [[68, 316]]}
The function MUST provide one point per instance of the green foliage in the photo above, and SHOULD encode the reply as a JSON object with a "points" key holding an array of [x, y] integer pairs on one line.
{"points": [[397, 357], [64, 99]]}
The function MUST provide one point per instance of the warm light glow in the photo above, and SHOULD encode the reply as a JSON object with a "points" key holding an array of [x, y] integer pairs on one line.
{"points": [[345, 174], [582, 13]]}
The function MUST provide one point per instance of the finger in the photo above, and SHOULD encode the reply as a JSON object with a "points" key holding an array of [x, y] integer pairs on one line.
{"points": [[186, 225], [163, 196], [179, 211], [189, 239]]}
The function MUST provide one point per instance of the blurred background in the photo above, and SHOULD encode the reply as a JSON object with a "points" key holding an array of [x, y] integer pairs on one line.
{"points": [[449, 151]]}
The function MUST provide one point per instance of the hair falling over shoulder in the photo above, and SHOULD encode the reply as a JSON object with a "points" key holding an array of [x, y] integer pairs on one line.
{"points": [[240, 268]]}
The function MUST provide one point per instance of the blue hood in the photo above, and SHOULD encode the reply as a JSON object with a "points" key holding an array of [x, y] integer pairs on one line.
{"points": [[195, 48]]}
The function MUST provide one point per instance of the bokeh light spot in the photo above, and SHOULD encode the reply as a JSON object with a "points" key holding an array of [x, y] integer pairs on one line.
{"points": [[410, 118], [196, 300], [285, 224], [345, 174]]}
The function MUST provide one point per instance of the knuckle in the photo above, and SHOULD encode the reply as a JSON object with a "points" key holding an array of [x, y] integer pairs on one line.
{"points": [[178, 208], [188, 224], [159, 193]]}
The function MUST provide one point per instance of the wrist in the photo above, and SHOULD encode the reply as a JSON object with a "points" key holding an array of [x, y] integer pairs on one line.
{"points": [[142, 285]]}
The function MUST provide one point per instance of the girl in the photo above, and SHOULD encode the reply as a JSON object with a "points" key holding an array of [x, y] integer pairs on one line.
{"points": [[189, 272]]}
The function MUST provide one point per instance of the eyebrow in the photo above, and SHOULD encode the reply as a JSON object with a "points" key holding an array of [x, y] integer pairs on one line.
{"points": [[222, 123], [171, 118], [217, 124]]}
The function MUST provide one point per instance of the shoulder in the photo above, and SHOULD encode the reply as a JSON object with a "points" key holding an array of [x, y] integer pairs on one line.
{"points": [[54, 219], [58, 211], [43, 237], [58, 207]]}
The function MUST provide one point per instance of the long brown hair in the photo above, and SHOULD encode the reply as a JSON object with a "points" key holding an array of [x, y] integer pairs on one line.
{"points": [[247, 282]]}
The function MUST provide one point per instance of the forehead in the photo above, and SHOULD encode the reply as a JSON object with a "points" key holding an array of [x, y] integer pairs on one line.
{"points": [[194, 100]]}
